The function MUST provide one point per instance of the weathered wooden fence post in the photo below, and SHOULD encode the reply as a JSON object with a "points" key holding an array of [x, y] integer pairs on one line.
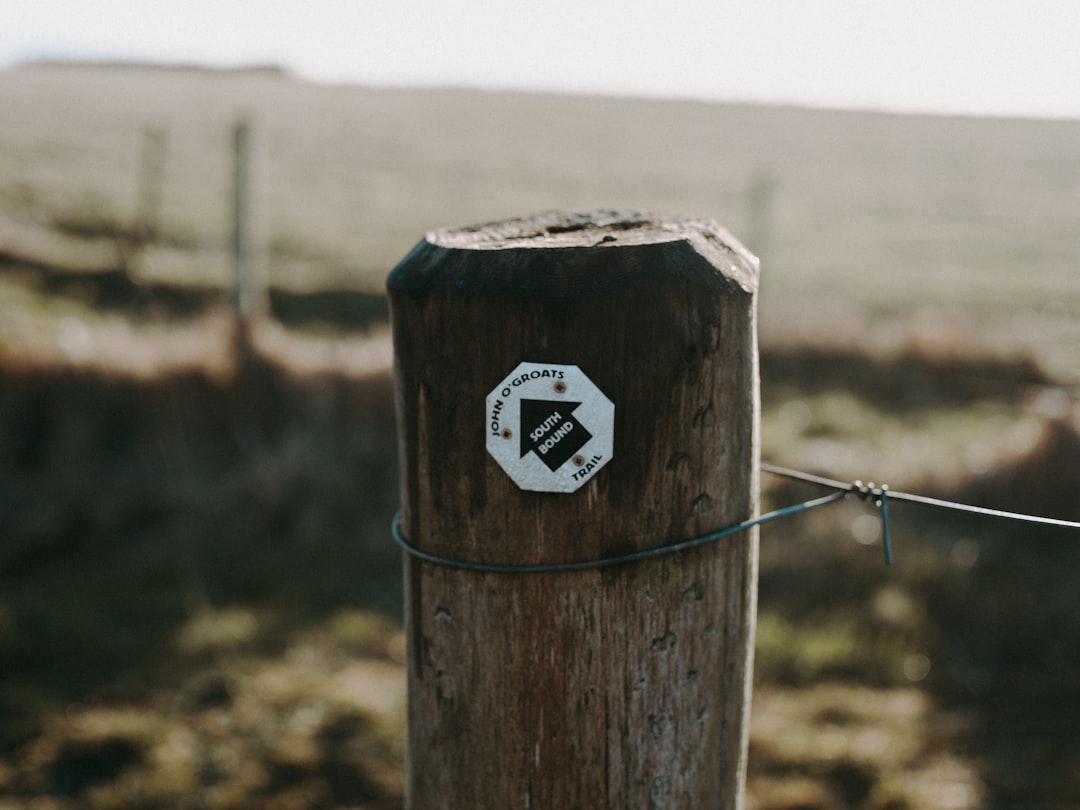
{"points": [[241, 211], [151, 184], [625, 686]]}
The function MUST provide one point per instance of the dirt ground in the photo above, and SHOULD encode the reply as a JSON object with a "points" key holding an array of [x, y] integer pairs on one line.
{"points": [[200, 605]]}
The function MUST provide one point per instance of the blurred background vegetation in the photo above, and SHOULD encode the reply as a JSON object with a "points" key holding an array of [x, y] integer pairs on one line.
{"points": [[200, 605]]}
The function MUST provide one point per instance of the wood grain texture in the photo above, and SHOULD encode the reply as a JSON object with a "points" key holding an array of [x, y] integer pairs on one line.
{"points": [[619, 687]]}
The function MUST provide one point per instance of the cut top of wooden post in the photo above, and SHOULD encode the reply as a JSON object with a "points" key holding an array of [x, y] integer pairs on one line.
{"points": [[559, 229], [592, 229]]}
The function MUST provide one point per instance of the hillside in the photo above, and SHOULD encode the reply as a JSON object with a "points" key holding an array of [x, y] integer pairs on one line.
{"points": [[875, 224], [200, 604]]}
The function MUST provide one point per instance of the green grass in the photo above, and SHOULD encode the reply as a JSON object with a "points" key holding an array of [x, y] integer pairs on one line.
{"points": [[198, 597], [882, 214]]}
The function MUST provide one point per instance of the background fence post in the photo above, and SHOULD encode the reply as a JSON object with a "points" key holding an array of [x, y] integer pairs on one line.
{"points": [[151, 184], [625, 686], [241, 218]]}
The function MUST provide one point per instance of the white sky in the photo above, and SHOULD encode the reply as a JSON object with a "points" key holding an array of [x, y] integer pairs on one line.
{"points": [[1002, 57]]}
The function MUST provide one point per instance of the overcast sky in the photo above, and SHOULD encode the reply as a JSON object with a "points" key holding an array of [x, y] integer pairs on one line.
{"points": [[1001, 57]]}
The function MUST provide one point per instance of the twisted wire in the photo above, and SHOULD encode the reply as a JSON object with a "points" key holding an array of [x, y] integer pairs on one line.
{"points": [[870, 492]]}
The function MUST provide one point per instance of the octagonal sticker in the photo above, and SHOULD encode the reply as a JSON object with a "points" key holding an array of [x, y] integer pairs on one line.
{"points": [[549, 427]]}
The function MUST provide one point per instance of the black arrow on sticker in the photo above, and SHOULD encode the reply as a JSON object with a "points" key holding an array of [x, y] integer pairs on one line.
{"points": [[549, 429]]}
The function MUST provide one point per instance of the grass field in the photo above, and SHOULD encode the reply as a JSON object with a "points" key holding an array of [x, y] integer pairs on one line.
{"points": [[199, 602]]}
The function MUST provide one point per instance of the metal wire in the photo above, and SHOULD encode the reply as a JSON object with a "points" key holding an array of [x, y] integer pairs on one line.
{"points": [[870, 491], [879, 495], [601, 562]]}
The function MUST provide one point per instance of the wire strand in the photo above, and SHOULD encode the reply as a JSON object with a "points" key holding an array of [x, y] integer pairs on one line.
{"points": [[876, 492], [601, 562], [880, 495]]}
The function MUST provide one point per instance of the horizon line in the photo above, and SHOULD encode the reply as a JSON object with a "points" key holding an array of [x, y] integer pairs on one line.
{"points": [[282, 70]]}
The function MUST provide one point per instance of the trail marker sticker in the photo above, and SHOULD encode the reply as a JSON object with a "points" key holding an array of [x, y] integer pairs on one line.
{"points": [[549, 427]]}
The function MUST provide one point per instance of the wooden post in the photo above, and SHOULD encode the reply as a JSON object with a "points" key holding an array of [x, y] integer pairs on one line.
{"points": [[759, 213], [151, 182], [625, 686], [241, 211]]}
